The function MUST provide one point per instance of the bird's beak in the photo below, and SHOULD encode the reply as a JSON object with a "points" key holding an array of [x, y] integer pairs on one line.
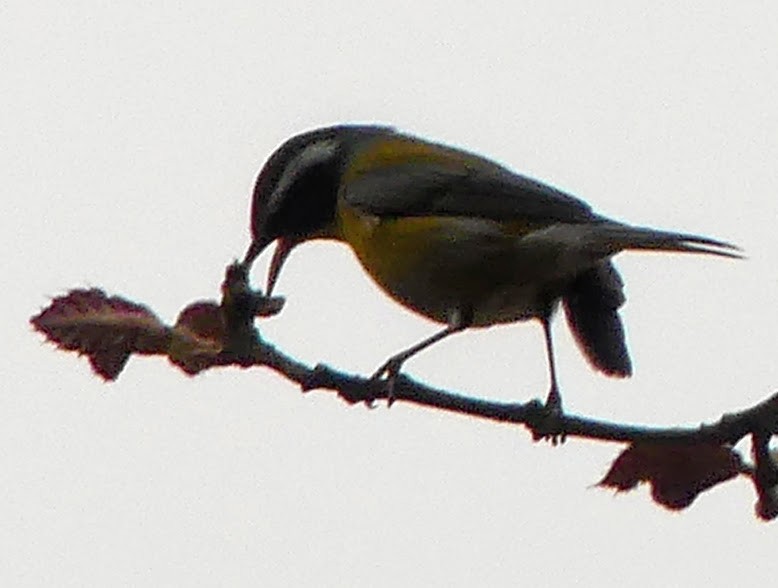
{"points": [[283, 248], [258, 245]]}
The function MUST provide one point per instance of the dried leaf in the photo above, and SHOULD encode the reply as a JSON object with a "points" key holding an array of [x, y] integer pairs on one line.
{"points": [[198, 337], [108, 329], [678, 473]]}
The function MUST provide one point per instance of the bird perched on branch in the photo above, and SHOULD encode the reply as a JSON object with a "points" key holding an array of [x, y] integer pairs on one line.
{"points": [[455, 237]]}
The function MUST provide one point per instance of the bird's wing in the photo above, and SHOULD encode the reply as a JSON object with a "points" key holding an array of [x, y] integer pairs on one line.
{"points": [[591, 305], [402, 176]]}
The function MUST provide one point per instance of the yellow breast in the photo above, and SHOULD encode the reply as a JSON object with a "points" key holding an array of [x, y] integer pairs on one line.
{"points": [[390, 250]]}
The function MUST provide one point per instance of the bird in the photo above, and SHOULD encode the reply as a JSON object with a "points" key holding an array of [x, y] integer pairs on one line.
{"points": [[456, 237]]}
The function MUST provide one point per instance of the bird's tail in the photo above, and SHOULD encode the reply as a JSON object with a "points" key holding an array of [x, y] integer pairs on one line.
{"points": [[617, 237]]}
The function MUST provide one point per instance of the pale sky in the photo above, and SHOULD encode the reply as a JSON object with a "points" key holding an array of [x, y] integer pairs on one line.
{"points": [[132, 133]]}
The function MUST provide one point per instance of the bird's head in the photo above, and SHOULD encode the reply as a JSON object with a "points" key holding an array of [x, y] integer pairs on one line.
{"points": [[295, 195]]}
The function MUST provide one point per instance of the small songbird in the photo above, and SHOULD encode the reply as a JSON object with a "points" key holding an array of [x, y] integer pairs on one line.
{"points": [[456, 237]]}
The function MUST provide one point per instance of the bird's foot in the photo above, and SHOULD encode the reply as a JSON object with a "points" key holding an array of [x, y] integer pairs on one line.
{"points": [[387, 374], [551, 425]]}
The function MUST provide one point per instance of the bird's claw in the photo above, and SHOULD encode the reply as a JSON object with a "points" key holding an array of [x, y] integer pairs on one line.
{"points": [[390, 369], [550, 426]]}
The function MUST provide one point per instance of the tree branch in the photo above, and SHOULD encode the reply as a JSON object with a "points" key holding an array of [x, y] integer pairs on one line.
{"points": [[678, 462]]}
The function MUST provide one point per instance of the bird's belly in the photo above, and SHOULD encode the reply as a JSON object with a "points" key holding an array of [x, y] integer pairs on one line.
{"points": [[510, 304], [437, 266]]}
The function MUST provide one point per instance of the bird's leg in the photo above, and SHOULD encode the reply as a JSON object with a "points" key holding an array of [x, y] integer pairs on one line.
{"points": [[554, 398], [391, 367], [552, 427]]}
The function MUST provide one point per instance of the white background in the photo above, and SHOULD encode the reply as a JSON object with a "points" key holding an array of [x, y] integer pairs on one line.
{"points": [[130, 137]]}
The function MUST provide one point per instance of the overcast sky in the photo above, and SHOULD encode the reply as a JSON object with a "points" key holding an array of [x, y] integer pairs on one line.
{"points": [[131, 136]]}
